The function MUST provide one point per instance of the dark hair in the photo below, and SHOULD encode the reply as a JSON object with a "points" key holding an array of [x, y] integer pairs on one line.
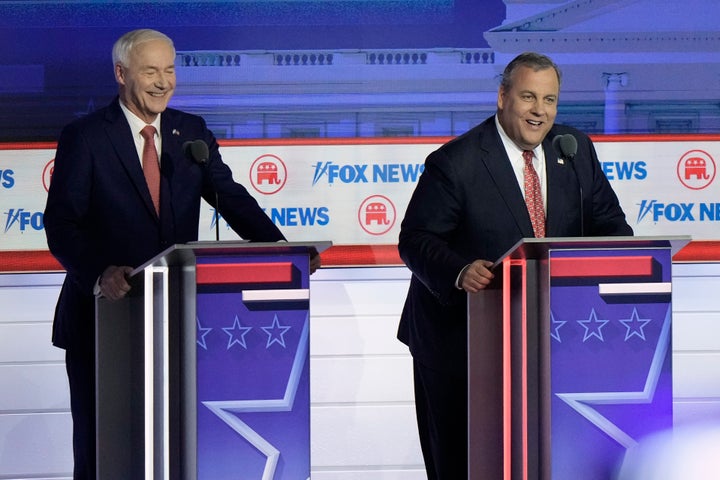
{"points": [[533, 60]]}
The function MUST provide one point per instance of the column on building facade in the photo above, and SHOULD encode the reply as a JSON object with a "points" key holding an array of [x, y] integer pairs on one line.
{"points": [[614, 104]]}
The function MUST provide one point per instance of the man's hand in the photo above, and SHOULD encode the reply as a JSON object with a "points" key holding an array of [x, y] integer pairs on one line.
{"points": [[113, 282], [476, 276]]}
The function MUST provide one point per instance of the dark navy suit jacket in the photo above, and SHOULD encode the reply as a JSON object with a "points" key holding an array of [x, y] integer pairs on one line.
{"points": [[468, 205], [99, 211]]}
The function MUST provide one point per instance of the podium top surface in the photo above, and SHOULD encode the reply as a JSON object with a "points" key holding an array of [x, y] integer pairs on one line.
{"points": [[186, 253], [535, 248]]}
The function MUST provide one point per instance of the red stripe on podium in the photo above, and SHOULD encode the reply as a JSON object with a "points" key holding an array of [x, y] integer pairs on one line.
{"points": [[640, 266], [226, 273]]}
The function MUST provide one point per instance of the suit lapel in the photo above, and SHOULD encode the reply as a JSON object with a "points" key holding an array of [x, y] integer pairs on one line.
{"points": [[503, 175], [121, 138], [170, 158], [170, 134], [558, 183]]}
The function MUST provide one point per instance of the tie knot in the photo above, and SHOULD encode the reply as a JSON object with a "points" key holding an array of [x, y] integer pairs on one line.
{"points": [[528, 156], [148, 132]]}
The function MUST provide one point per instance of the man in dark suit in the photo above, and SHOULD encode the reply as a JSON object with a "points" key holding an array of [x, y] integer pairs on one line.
{"points": [[467, 210], [101, 220]]}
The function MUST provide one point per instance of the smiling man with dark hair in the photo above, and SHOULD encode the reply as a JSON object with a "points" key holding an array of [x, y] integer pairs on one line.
{"points": [[478, 195]]}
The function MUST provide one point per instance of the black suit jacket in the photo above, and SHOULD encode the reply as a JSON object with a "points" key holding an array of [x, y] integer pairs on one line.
{"points": [[99, 211], [468, 205]]}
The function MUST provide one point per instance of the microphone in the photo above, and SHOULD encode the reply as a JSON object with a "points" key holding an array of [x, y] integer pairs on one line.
{"points": [[198, 151], [566, 147]]}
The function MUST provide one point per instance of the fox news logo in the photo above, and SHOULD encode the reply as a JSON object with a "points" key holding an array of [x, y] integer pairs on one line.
{"points": [[625, 170], [299, 216], [7, 179], [23, 220], [678, 212], [360, 173]]}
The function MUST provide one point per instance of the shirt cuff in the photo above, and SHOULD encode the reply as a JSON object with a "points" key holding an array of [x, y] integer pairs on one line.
{"points": [[96, 287], [458, 280]]}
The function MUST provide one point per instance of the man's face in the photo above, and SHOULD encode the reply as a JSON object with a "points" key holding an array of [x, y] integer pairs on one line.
{"points": [[148, 81], [527, 110]]}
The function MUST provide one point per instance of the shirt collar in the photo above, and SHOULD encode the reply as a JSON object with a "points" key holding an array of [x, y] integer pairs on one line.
{"points": [[510, 147], [136, 123]]}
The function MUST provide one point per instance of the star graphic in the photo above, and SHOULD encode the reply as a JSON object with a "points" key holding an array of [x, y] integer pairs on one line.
{"points": [[593, 326], [581, 401], [227, 410], [557, 324], [276, 333], [635, 325], [237, 334], [202, 333]]}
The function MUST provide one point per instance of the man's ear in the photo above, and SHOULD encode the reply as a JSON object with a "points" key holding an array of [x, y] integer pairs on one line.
{"points": [[500, 98], [119, 74]]}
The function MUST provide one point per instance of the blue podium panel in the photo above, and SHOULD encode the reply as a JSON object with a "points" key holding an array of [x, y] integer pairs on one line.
{"points": [[253, 398], [611, 380]]}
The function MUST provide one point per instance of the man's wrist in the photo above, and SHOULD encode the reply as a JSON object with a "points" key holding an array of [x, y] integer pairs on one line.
{"points": [[459, 279]]}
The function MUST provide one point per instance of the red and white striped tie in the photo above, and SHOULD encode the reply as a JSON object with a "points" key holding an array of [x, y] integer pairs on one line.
{"points": [[533, 195]]}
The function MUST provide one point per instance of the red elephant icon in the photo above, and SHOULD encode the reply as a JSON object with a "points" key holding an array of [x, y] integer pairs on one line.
{"points": [[48, 173], [696, 167], [267, 172], [376, 212]]}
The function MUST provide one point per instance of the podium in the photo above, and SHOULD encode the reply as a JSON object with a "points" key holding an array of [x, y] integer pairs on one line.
{"points": [[203, 370], [569, 357]]}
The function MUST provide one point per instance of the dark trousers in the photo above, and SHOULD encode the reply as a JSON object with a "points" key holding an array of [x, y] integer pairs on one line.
{"points": [[81, 375], [441, 408]]}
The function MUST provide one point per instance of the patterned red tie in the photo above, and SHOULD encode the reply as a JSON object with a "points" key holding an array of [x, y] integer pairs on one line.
{"points": [[151, 165], [533, 196]]}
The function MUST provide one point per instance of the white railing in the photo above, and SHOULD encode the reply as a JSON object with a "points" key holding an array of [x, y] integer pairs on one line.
{"points": [[324, 58]]}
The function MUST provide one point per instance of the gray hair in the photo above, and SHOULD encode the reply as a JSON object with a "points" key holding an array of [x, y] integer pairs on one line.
{"points": [[125, 44], [533, 60]]}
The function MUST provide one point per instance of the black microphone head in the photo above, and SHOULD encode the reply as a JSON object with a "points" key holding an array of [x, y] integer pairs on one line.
{"points": [[555, 144], [568, 145], [197, 150], [187, 145], [565, 146], [202, 153]]}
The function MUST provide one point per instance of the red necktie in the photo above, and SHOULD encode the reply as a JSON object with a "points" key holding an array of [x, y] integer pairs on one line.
{"points": [[151, 165], [533, 196]]}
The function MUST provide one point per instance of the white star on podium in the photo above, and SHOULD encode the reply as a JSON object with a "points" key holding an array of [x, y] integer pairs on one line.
{"points": [[227, 410]]}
